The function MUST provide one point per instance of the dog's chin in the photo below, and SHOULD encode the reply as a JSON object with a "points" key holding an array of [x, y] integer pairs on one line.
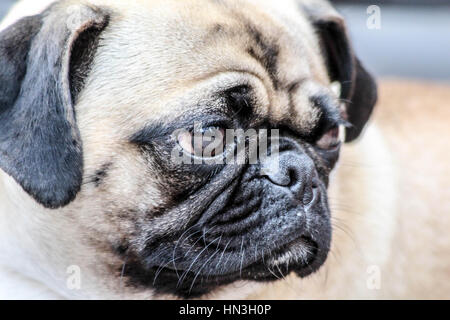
{"points": [[302, 256]]}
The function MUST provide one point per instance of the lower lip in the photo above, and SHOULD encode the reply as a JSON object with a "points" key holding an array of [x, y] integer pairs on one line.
{"points": [[300, 251]]}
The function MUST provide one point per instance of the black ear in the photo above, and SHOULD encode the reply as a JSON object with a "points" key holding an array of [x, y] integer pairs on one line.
{"points": [[364, 95], [358, 87], [43, 61]]}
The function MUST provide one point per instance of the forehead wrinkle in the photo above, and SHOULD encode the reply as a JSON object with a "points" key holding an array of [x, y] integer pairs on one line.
{"points": [[284, 55], [265, 52], [244, 22]]}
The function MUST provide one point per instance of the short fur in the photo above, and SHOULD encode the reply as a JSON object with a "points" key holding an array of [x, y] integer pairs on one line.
{"points": [[85, 179]]}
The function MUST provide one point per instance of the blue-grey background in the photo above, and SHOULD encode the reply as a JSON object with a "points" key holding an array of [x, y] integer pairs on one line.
{"points": [[4, 5], [413, 42]]}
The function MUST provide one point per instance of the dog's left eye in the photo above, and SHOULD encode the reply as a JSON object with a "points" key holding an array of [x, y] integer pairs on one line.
{"points": [[206, 143], [330, 140]]}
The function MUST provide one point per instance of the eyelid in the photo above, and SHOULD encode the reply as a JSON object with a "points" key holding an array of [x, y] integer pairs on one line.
{"points": [[330, 108]]}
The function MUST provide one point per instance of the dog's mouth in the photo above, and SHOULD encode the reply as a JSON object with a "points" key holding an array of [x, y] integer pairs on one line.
{"points": [[301, 252], [300, 256]]}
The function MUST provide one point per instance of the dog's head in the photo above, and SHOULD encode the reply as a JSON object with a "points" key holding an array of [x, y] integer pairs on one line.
{"points": [[95, 98]]}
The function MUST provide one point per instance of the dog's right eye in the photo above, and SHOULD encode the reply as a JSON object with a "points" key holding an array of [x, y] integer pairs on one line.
{"points": [[205, 143]]}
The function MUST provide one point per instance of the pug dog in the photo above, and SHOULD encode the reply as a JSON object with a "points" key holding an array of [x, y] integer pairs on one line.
{"points": [[95, 96]]}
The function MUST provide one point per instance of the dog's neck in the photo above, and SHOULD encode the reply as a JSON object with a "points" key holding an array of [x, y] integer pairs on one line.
{"points": [[16, 219], [19, 251], [16, 286]]}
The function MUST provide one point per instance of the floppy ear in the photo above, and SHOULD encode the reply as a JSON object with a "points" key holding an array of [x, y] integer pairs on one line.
{"points": [[358, 88], [44, 60]]}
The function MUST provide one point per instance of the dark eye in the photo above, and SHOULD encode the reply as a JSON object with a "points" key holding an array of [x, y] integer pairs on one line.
{"points": [[206, 143], [330, 140]]}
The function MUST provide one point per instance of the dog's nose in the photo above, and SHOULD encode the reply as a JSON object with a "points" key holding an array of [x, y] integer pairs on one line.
{"points": [[295, 171]]}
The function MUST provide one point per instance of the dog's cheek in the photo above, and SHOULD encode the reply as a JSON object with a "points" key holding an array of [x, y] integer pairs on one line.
{"points": [[118, 197]]}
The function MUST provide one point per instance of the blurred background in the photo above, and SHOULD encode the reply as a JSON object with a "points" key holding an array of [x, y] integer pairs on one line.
{"points": [[413, 40], [4, 6]]}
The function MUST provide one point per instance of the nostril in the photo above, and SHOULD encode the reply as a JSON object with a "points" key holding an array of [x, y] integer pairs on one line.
{"points": [[283, 180], [315, 184], [292, 174], [284, 176], [311, 193]]}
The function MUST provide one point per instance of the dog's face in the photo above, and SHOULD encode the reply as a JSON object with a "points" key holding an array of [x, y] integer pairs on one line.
{"points": [[91, 112]]}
